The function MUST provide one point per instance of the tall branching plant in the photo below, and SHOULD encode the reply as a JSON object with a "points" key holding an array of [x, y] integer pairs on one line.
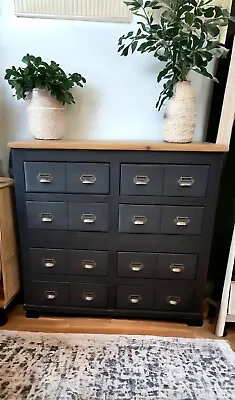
{"points": [[186, 38]]}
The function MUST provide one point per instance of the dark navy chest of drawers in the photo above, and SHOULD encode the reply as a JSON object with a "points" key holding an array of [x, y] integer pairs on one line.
{"points": [[115, 232]]}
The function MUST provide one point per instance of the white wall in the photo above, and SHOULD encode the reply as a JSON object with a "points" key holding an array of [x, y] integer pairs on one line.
{"points": [[119, 100]]}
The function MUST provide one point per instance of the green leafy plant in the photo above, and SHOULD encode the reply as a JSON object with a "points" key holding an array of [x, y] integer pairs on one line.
{"points": [[186, 38], [39, 74]]}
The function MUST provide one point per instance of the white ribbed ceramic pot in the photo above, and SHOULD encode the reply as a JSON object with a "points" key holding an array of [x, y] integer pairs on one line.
{"points": [[46, 115], [180, 119]]}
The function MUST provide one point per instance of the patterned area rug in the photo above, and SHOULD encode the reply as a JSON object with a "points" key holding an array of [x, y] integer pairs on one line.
{"points": [[37, 366]]}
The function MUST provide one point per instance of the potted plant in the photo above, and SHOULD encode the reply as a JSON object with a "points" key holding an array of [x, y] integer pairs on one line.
{"points": [[185, 36], [47, 90]]}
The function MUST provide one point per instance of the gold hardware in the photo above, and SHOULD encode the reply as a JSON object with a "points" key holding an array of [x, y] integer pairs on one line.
{"points": [[182, 221], [88, 179], [44, 178], [141, 180], [139, 220], [186, 181], [88, 218], [86, 264], [136, 266]]}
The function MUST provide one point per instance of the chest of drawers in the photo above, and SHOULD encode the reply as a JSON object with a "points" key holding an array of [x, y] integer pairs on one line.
{"points": [[115, 232]]}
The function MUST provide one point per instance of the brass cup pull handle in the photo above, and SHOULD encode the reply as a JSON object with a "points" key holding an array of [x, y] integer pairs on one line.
{"points": [[49, 262], [134, 298], [51, 294], [186, 181], [88, 296], [136, 266], [182, 221], [88, 179], [44, 178], [177, 268], [139, 220], [173, 300], [47, 217], [141, 180], [89, 265], [88, 218]]}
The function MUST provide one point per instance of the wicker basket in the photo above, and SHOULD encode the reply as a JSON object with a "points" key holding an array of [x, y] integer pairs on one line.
{"points": [[180, 120], [46, 115]]}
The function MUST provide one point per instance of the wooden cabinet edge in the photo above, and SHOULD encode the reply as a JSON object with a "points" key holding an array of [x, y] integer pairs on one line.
{"points": [[118, 145]]}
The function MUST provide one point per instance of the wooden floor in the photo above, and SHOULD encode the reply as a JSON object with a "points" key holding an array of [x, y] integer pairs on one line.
{"points": [[18, 322]]}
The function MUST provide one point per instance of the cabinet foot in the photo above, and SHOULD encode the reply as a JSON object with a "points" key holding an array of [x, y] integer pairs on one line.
{"points": [[31, 314], [3, 317], [196, 322]]}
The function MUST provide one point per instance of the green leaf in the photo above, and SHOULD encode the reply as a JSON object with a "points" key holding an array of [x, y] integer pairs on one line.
{"points": [[189, 18], [213, 30], [209, 12], [133, 46]]}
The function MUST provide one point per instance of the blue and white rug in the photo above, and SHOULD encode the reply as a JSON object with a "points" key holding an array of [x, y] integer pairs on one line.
{"points": [[36, 366]]}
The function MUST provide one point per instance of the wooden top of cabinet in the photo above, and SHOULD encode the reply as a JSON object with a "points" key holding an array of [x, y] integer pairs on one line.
{"points": [[117, 145], [4, 182]]}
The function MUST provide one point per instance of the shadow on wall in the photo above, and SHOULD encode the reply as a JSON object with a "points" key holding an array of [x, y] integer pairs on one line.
{"points": [[81, 116]]}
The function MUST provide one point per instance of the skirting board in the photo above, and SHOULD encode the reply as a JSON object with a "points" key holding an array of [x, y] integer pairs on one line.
{"points": [[95, 10]]}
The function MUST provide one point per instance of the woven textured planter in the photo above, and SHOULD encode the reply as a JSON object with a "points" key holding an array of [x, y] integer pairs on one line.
{"points": [[180, 120], [46, 115]]}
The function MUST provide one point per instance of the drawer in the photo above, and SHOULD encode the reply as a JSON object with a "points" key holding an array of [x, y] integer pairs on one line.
{"points": [[49, 293], [45, 177], [88, 217], [139, 218], [182, 220], [89, 263], [141, 180], [177, 266], [135, 297], [46, 215], [137, 265], [175, 296], [89, 295], [186, 180], [87, 178], [49, 261]]}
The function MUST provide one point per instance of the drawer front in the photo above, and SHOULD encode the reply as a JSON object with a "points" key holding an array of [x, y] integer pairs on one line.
{"points": [[135, 297], [46, 215], [175, 296], [139, 218], [88, 216], [45, 177], [137, 265], [186, 180], [87, 178], [89, 295], [182, 220], [49, 293], [89, 263], [142, 180], [49, 261], [177, 266]]}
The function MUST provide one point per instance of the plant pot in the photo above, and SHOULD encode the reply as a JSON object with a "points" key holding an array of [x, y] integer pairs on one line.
{"points": [[46, 115], [180, 120]]}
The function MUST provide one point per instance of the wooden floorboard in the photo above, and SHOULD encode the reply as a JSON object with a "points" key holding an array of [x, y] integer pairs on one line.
{"points": [[57, 324]]}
